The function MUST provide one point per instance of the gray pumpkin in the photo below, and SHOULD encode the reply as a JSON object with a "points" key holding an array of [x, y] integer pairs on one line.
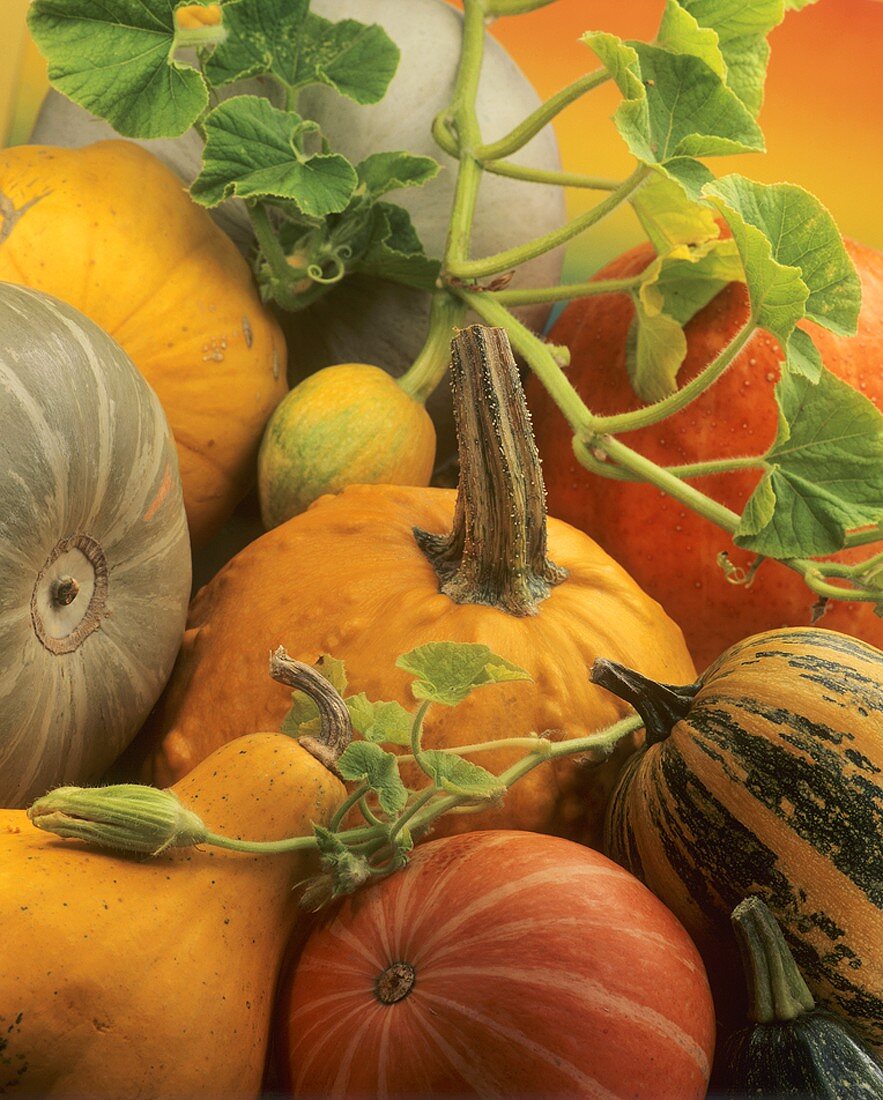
{"points": [[94, 551]]}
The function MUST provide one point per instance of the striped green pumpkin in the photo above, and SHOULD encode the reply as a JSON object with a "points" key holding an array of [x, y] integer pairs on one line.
{"points": [[767, 778]]}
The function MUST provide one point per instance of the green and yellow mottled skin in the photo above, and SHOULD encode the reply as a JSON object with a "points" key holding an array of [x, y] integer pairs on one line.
{"points": [[124, 977], [773, 785], [349, 424]]}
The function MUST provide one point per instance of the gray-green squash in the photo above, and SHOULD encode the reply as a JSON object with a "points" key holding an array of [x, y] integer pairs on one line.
{"points": [[94, 551]]}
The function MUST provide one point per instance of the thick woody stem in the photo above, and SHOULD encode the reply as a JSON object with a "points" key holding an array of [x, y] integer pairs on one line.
{"points": [[336, 730], [495, 553]]}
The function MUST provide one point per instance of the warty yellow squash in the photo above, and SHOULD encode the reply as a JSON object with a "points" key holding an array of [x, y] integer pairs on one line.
{"points": [[369, 574]]}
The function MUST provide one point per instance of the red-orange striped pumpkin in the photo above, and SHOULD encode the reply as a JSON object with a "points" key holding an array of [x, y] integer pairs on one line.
{"points": [[500, 964]]}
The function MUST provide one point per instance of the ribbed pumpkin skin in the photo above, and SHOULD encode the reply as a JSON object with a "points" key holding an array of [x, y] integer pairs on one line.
{"points": [[347, 578], [670, 550], [773, 785], [127, 978], [89, 489], [542, 969], [109, 229]]}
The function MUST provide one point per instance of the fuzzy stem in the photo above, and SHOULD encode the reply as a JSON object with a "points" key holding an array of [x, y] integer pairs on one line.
{"points": [[566, 292], [661, 706], [464, 119], [549, 175], [777, 992], [865, 535], [428, 369], [519, 137], [680, 399], [513, 257], [496, 551], [514, 7]]}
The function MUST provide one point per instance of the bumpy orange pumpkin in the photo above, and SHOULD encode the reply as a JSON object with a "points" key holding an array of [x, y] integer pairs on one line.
{"points": [[110, 230], [352, 578]]}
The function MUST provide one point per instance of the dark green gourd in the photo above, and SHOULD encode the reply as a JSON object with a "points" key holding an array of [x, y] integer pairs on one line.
{"points": [[792, 1048]]}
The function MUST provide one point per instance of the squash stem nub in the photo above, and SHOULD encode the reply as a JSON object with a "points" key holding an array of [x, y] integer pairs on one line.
{"points": [[496, 552], [336, 730], [661, 706], [777, 992]]}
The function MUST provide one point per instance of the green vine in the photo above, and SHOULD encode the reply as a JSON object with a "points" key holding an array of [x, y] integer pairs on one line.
{"points": [[135, 818], [690, 95]]}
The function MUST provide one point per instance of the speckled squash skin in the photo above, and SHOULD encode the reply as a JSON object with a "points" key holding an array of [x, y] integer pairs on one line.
{"points": [[125, 977], [349, 424], [771, 785], [670, 550], [109, 229], [347, 578], [94, 554]]}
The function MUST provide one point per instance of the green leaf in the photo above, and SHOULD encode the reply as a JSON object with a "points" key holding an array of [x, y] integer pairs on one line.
{"points": [[303, 714], [741, 30], [384, 723], [673, 105], [798, 5], [795, 263], [394, 251], [116, 59], [447, 672], [675, 287], [263, 36], [691, 174], [251, 152], [382, 172], [685, 280], [802, 356], [669, 216], [655, 349], [456, 775], [620, 60], [826, 471], [681, 33], [364, 762], [691, 112], [355, 59]]}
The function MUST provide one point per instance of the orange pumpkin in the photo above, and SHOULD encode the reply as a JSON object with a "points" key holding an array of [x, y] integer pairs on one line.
{"points": [[110, 230], [670, 550], [352, 578]]}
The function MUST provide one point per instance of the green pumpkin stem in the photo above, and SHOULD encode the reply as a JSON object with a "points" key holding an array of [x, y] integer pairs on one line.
{"points": [[496, 552], [661, 706], [335, 729], [777, 992]]}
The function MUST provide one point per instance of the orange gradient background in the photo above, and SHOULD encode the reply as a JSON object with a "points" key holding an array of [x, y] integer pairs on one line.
{"points": [[821, 117]]}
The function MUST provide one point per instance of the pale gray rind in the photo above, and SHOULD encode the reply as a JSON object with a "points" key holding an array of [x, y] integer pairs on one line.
{"points": [[85, 449]]}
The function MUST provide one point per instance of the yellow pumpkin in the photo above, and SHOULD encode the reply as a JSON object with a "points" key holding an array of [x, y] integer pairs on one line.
{"points": [[128, 977], [350, 577], [110, 230]]}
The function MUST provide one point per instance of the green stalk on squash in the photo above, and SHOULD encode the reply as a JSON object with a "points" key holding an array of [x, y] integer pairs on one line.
{"points": [[791, 1048]]}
